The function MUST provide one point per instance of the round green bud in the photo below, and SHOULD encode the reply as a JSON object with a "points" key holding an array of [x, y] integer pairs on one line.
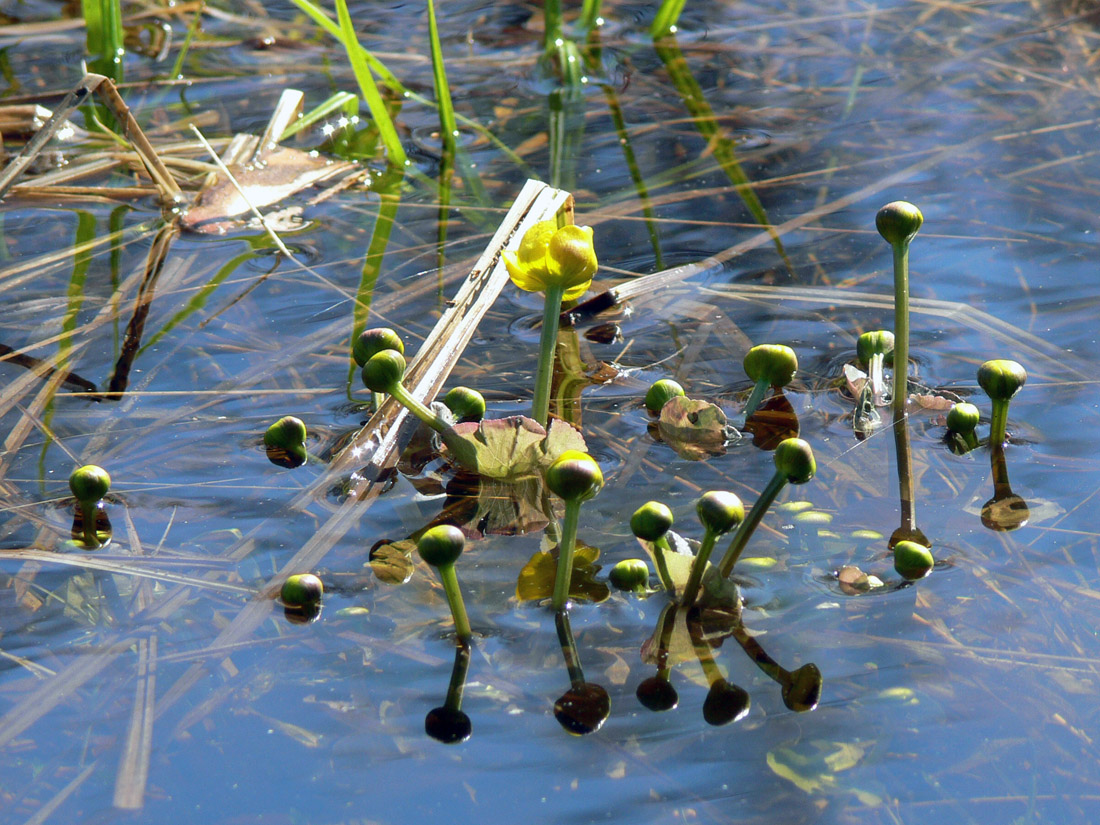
{"points": [[574, 476], [657, 694], [441, 545], [383, 370], [288, 433], [373, 341], [794, 458], [963, 418], [89, 483], [465, 404], [629, 574], [898, 222], [651, 521], [774, 363], [912, 561], [720, 511], [660, 393], [1001, 379], [878, 342], [302, 590]]}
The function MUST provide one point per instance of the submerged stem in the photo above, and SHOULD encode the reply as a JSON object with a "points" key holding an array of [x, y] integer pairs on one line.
{"points": [[540, 406]]}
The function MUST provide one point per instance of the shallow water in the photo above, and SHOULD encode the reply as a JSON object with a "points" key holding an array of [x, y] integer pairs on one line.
{"points": [[966, 697]]}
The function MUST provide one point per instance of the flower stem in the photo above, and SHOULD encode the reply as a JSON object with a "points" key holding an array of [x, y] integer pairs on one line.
{"points": [[901, 327], [998, 424], [454, 599], [88, 516], [405, 398], [565, 554], [691, 589], [745, 529], [540, 407], [756, 397], [662, 566]]}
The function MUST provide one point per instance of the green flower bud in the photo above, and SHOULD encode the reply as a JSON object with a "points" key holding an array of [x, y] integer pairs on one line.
{"points": [[878, 342], [912, 561], [898, 222], [774, 364], [963, 418], [630, 575], [794, 458], [441, 545], [302, 590], [383, 370], [465, 404], [574, 476], [89, 484], [651, 521], [719, 511], [373, 341], [1001, 379], [288, 433], [659, 394]]}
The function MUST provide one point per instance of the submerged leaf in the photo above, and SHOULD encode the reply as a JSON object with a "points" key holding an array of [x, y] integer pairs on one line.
{"points": [[513, 447], [536, 579], [695, 429], [392, 562], [717, 593]]}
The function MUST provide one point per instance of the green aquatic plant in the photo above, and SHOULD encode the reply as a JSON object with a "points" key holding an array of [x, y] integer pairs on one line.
{"points": [[660, 393], [301, 590], [630, 575], [898, 223], [794, 463], [560, 263], [962, 424], [769, 365], [874, 349], [440, 547], [285, 441], [372, 341], [719, 513], [89, 484], [650, 523], [465, 404], [1001, 379], [573, 477], [912, 560], [448, 723]]}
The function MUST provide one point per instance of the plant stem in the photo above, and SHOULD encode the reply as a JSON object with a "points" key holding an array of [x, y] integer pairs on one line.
{"points": [[905, 468], [998, 424], [569, 649], [662, 566], [565, 554], [756, 397], [88, 514], [691, 589], [454, 599], [901, 328], [458, 677], [405, 398], [745, 529], [540, 406]]}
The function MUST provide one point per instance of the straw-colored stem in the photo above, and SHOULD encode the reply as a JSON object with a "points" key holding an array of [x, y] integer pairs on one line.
{"points": [[745, 529], [454, 599], [695, 579], [540, 407], [565, 554], [901, 327]]}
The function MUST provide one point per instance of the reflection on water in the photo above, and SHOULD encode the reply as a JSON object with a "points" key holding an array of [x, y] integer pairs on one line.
{"points": [[165, 679]]}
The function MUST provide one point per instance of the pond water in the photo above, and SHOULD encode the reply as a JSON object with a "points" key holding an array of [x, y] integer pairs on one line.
{"points": [[157, 679]]}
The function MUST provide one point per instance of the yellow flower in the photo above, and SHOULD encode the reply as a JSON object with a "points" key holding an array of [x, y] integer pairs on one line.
{"points": [[549, 256]]}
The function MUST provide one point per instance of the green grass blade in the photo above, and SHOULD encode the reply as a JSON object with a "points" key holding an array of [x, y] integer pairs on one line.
{"points": [[368, 88], [448, 129], [322, 19], [345, 101], [665, 21]]}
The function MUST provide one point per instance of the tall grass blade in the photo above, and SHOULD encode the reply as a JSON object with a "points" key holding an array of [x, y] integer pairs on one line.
{"points": [[103, 21], [664, 23]]}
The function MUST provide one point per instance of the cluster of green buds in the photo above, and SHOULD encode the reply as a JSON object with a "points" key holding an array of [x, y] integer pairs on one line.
{"points": [[89, 484], [574, 477], [768, 365]]}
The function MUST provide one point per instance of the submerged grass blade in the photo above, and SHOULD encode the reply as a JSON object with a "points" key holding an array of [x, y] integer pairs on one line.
{"points": [[665, 22]]}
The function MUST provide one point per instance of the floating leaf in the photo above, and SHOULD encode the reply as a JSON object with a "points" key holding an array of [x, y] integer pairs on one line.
{"points": [[536, 579], [695, 429], [513, 447], [392, 562]]}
